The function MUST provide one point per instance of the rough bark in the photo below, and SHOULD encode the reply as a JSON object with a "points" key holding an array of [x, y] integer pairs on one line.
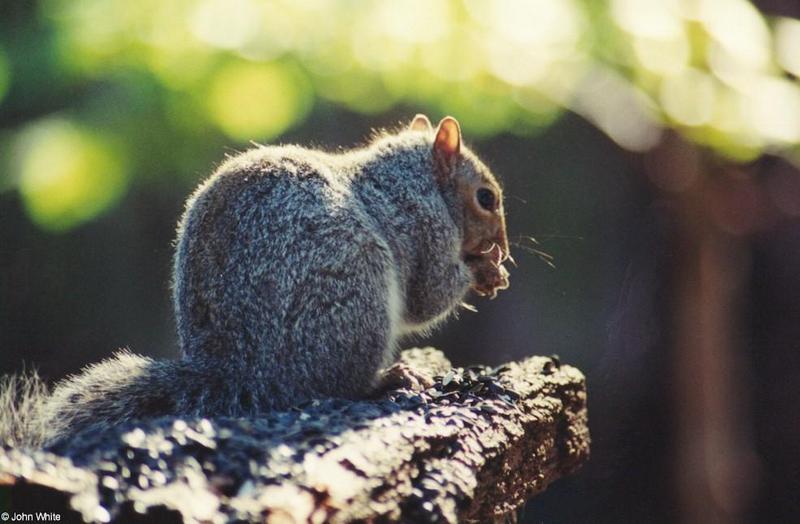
{"points": [[473, 447]]}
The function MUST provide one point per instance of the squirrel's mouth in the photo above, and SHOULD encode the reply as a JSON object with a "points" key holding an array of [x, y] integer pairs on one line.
{"points": [[488, 272]]}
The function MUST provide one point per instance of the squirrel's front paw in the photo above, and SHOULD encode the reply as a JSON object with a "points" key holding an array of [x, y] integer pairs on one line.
{"points": [[402, 376]]}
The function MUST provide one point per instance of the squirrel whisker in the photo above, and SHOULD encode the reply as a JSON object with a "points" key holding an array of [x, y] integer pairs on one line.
{"points": [[547, 258], [530, 239]]}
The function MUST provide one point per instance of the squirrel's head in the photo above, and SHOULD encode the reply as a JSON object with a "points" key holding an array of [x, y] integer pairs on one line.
{"points": [[457, 169]]}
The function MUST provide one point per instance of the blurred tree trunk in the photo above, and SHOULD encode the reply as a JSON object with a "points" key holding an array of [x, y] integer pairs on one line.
{"points": [[715, 209]]}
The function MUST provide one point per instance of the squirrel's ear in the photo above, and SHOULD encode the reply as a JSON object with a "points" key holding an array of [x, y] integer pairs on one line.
{"points": [[447, 145], [420, 123]]}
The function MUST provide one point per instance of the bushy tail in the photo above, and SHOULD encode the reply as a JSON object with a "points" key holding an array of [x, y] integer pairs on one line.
{"points": [[22, 397]]}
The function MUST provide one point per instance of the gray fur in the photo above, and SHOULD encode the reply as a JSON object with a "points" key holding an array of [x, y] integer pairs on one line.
{"points": [[21, 399], [296, 272]]}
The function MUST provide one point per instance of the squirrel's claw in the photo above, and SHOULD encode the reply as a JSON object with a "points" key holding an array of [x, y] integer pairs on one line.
{"points": [[469, 307], [402, 376]]}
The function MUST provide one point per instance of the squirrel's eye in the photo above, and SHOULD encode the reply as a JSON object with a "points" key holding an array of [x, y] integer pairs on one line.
{"points": [[486, 199]]}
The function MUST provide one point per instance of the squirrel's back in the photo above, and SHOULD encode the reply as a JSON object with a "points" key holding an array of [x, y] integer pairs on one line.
{"points": [[277, 265], [254, 241]]}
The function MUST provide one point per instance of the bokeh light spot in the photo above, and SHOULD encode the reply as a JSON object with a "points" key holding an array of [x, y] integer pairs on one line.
{"points": [[251, 101], [229, 24], [774, 106], [688, 98], [617, 107], [740, 32], [525, 41], [663, 56], [413, 20], [787, 44], [654, 19], [66, 175]]}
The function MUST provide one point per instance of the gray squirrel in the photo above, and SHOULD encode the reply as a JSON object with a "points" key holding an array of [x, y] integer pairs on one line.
{"points": [[296, 273]]}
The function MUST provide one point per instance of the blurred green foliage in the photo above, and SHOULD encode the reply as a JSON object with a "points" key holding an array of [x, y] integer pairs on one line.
{"points": [[67, 174], [94, 92]]}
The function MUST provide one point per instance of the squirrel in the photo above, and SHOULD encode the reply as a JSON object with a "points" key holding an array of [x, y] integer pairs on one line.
{"points": [[297, 272]]}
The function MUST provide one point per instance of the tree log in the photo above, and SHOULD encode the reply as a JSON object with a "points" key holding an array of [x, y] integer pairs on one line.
{"points": [[473, 447]]}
